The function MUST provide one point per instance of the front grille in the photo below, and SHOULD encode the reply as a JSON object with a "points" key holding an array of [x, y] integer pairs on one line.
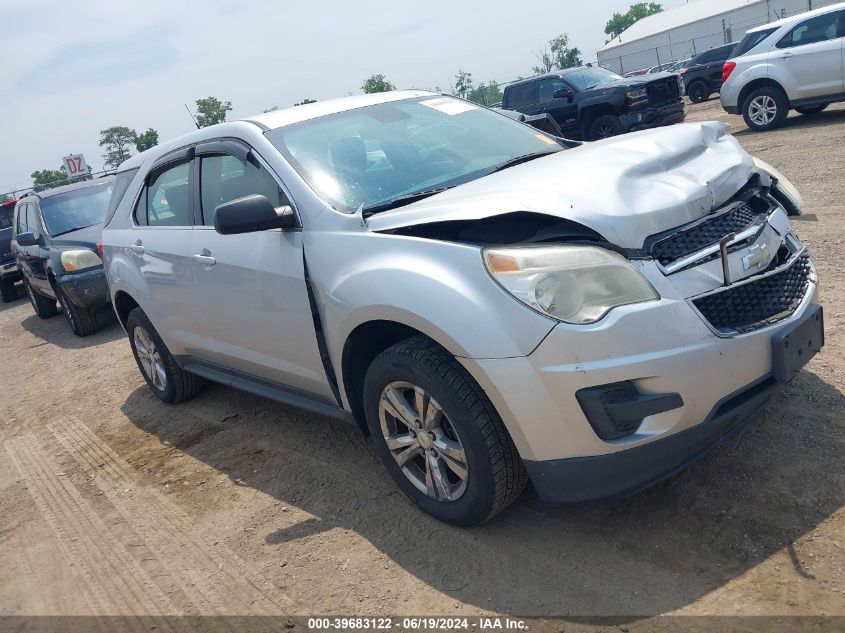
{"points": [[758, 303], [662, 92], [705, 234]]}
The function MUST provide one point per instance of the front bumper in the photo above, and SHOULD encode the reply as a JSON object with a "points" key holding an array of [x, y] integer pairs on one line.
{"points": [[653, 117], [88, 289]]}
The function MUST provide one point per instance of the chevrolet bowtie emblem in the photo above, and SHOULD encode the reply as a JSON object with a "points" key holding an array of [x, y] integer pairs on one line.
{"points": [[757, 257]]}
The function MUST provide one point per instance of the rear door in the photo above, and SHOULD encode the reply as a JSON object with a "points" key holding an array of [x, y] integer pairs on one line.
{"points": [[160, 245], [250, 307], [811, 57]]}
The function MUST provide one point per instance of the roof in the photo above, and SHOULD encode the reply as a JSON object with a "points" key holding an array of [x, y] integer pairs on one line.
{"points": [[800, 17], [673, 18], [82, 184]]}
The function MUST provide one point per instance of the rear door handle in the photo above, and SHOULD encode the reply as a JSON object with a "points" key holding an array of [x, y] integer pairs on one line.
{"points": [[204, 257], [137, 247]]}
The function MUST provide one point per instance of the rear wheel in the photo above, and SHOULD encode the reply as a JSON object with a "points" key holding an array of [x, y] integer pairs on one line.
{"points": [[169, 382], [765, 109], [82, 322], [8, 291], [44, 307], [605, 126], [698, 92], [438, 435], [811, 109]]}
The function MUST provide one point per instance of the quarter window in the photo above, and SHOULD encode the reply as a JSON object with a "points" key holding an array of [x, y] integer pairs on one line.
{"points": [[818, 29], [224, 178], [166, 201]]}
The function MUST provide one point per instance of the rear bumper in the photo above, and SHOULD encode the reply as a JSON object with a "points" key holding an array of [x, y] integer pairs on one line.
{"points": [[653, 117], [88, 290], [581, 479]]}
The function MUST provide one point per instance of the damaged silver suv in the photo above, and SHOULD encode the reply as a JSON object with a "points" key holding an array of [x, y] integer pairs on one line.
{"points": [[488, 303]]}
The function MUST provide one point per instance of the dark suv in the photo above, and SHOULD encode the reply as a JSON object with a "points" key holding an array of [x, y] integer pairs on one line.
{"points": [[9, 274], [703, 75], [591, 103], [56, 242]]}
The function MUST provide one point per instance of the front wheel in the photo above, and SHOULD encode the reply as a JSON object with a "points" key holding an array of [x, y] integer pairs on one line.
{"points": [[169, 382], [807, 111], [44, 307], [82, 322], [698, 92], [439, 436], [605, 126], [765, 109]]}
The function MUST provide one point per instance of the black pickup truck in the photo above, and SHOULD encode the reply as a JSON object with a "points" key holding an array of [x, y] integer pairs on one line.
{"points": [[9, 273], [591, 103]]}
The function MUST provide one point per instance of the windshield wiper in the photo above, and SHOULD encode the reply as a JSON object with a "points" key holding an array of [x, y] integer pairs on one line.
{"points": [[402, 200], [76, 228], [519, 160]]}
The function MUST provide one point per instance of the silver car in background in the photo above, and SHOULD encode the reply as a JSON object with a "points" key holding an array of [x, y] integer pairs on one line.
{"points": [[795, 63], [488, 303]]}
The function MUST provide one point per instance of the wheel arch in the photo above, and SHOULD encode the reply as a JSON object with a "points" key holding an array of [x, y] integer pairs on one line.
{"points": [[751, 86], [123, 303], [592, 112]]}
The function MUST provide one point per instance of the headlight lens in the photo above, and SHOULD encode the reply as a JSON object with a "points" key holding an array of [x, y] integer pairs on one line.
{"points": [[575, 284], [784, 184], [638, 93], [80, 260]]}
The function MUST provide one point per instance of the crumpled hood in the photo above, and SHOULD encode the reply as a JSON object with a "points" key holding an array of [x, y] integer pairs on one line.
{"points": [[625, 188]]}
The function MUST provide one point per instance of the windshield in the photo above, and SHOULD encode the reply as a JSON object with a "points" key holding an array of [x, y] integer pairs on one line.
{"points": [[6, 211], [371, 156], [751, 40], [589, 77], [76, 209]]}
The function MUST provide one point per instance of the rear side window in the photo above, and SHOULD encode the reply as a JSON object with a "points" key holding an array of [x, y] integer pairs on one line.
{"points": [[121, 184], [224, 178], [818, 29], [751, 40], [522, 95], [166, 200]]}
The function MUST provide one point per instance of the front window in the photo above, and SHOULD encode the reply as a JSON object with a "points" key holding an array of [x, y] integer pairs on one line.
{"points": [[588, 77], [376, 155], [76, 209]]}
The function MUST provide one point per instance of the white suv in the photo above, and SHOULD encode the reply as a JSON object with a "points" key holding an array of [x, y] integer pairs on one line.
{"points": [[797, 62]]}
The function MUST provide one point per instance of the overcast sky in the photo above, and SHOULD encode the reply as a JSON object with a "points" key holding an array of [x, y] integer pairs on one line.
{"points": [[71, 69]]}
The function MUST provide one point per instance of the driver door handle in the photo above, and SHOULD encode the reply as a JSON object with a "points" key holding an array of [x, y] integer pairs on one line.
{"points": [[137, 247], [204, 257]]}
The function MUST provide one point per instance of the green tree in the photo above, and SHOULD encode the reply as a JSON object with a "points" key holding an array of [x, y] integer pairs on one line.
{"points": [[621, 22], [6, 197], [483, 94], [463, 84], [377, 83], [211, 111], [305, 102], [117, 140], [146, 140], [557, 54], [48, 178]]}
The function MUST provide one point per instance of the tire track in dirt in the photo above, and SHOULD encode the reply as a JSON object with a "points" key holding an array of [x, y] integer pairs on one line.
{"points": [[211, 575], [113, 582]]}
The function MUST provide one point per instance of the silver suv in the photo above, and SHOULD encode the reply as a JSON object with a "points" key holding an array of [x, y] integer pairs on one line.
{"points": [[487, 302], [797, 62]]}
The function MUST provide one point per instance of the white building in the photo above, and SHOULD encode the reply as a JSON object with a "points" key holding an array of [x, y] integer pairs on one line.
{"points": [[694, 27]]}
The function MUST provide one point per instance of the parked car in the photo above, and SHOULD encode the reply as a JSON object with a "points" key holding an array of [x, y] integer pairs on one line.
{"points": [[677, 66], [488, 305], [797, 63], [661, 68], [592, 103], [56, 243], [636, 73], [703, 76], [9, 273]]}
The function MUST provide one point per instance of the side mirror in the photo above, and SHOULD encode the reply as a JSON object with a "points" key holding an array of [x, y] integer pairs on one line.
{"points": [[250, 214], [563, 93], [26, 239]]}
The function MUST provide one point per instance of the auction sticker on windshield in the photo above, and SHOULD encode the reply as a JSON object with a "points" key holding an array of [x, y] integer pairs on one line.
{"points": [[448, 106]]}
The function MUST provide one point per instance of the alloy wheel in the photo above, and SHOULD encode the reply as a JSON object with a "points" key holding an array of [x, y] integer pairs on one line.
{"points": [[423, 442], [606, 131], [762, 110], [150, 359]]}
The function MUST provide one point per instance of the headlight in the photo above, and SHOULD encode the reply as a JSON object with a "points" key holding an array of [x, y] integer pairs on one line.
{"points": [[783, 184], [639, 93], [80, 260], [575, 284]]}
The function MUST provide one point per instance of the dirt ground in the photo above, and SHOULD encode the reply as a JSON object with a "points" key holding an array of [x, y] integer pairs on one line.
{"points": [[112, 503]]}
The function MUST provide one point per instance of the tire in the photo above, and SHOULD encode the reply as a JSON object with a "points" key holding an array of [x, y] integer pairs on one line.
{"points": [[810, 110], [464, 425], [82, 322], [604, 126], [698, 91], [8, 291], [44, 307], [172, 384], [765, 109]]}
